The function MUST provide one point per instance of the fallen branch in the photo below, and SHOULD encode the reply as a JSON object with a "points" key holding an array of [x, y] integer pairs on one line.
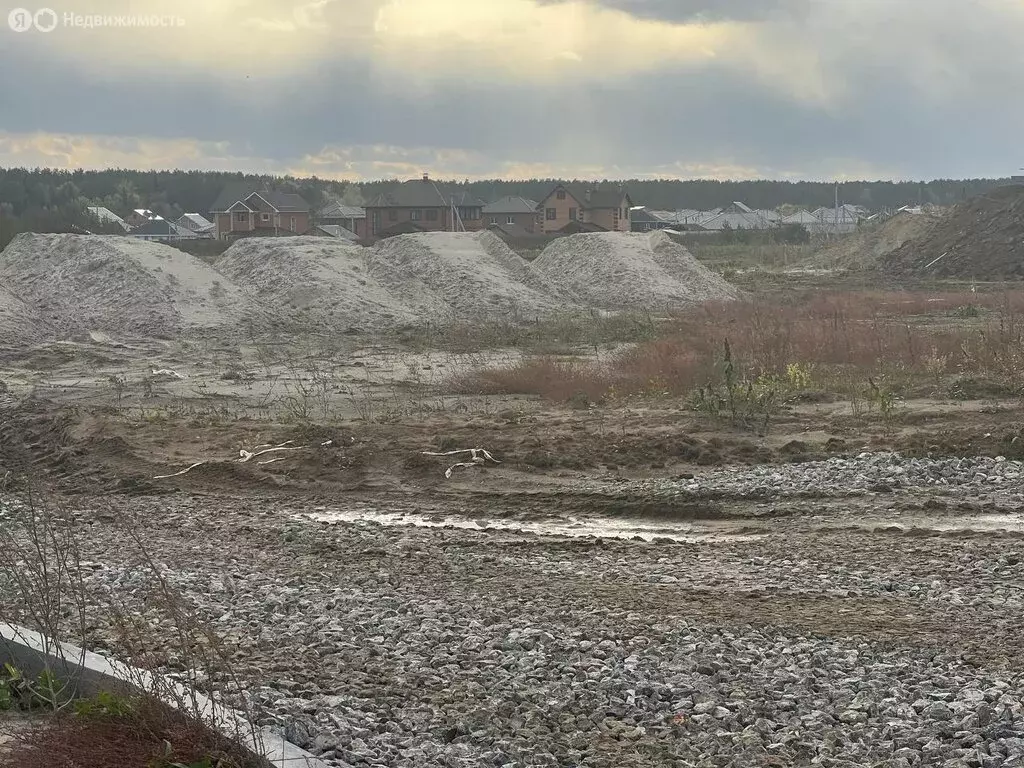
{"points": [[478, 458], [244, 455]]}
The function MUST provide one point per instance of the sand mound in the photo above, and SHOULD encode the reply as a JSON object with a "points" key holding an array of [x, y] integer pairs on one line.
{"points": [[20, 323], [865, 248], [455, 275], [313, 282], [627, 270], [120, 285], [982, 238]]}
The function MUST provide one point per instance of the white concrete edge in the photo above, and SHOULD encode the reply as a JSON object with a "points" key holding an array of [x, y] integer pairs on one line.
{"points": [[32, 652]]}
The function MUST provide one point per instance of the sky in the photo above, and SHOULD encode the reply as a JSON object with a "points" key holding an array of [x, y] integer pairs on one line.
{"points": [[476, 89]]}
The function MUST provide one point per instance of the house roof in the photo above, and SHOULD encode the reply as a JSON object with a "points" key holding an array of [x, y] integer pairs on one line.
{"points": [[599, 198], [336, 210], [286, 202], [511, 204], [517, 231], [424, 193], [200, 221], [161, 226], [107, 215], [641, 215], [576, 227], [336, 230]]}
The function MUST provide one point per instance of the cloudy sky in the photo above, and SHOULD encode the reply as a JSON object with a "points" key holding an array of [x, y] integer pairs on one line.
{"points": [[814, 89]]}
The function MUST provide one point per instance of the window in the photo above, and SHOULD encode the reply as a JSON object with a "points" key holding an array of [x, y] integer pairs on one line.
{"points": [[560, 194], [291, 224], [414, 215], [431, 214], [241, 216], [392, 215], [551, 214], [510, 220], [494, 220], [572, 214], [265, 217]]}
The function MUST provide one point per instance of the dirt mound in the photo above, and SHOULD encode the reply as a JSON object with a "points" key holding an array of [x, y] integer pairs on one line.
{"points": [[121, 286], [455, 275], [873, 242], [314, 282], [982, 238], [20, 323], [627, 270]]}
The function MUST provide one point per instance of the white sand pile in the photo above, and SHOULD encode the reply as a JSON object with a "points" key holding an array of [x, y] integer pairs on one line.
{"points": [[314, 282], [121, 286], [20, 323], [627, 270], [459, 275]]}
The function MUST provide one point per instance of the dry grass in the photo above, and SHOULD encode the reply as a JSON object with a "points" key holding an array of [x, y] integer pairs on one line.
{"points": [[829, 341]]}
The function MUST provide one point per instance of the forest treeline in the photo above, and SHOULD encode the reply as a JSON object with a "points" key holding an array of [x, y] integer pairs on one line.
{"points": [[46, 200]]}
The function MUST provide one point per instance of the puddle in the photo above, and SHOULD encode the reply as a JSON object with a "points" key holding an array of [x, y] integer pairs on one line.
{"points": [[995, 523], [565, 527]]}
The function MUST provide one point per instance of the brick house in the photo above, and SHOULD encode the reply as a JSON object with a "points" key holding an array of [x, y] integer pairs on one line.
{"points": [[423, 205], [351, 217], [240, 212], [566, 203], [513, 211]]}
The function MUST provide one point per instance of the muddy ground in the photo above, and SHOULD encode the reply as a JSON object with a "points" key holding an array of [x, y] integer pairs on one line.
{"points": [[562, 535]]}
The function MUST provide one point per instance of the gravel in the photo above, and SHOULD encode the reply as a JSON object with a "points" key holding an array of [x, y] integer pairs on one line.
{"points": [[314, 282], [120, 286], [382, 646], [628, 270], [462, 275]]}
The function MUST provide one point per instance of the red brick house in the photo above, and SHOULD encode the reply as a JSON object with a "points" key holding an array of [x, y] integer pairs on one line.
{"points": [[423, 205], [567, 203], [241, 212]]}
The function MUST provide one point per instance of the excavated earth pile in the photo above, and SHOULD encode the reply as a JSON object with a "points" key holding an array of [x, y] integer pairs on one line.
{"points": [[121, 286], [626, 270], [460, 275], [982, 238], [314, 282], [872, 243]]}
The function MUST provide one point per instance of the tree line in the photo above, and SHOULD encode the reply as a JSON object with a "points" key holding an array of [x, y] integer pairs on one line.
{"points": [[50, 200]]}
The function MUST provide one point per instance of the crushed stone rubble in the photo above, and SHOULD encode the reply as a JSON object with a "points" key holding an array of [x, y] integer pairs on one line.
{"points": [[865, 473], [365, 650]]}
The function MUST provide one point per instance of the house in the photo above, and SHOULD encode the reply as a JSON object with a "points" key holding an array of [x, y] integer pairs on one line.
{"points": [[838, 221], [198, 224], [140, 216], [350, 217], [107, 216], [162, 230], [643, 220], [609, 209], [423, 205], [738, 215], [513, 211], [242, 212]]}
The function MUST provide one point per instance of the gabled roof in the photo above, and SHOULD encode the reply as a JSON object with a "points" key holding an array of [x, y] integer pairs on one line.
{"points": [[200, 221], [641, 215], [341, 211], [576, 227], [336, 230], [598, 198], [107, 215], [510, 205], [424, 193], [285, 202]]}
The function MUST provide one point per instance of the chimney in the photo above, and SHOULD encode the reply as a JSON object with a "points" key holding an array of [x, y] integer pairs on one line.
{"points": [[586, 197], [426, 177]]}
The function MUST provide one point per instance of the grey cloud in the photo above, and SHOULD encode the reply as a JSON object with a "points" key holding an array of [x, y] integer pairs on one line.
{"points": [[680, 11]]}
